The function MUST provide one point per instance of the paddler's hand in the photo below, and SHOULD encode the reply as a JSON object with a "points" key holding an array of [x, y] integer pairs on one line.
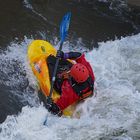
{"points": [[60, 54], [48, 102], [52, 107]]}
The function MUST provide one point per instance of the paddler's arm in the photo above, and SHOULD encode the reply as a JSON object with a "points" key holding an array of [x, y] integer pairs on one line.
{"points": [[52, 107], [72, 55], [49, 104], [68, 55], [78, 57]]}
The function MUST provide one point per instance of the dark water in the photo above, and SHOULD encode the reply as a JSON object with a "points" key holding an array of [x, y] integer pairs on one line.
{"points": [[93, 21]]}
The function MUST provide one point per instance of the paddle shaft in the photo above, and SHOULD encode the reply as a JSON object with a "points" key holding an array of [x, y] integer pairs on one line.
{"points": [[54, 72], [63, 32]]}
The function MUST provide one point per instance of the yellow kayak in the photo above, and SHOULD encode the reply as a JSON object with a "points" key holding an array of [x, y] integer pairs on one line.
{"points": [[38, 51]]}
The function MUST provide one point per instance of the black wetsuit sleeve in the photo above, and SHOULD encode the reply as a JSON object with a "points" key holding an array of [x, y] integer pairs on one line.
{"points": [[72, 55]]}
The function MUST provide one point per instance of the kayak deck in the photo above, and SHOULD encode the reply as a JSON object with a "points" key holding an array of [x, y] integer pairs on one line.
{"points": [[38, 51]]}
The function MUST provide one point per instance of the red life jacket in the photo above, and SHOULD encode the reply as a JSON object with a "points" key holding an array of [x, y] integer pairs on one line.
{"points": [[83, 90]]}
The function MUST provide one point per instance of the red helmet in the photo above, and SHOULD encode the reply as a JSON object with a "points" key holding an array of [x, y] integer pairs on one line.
{"points": [[79, 72]]}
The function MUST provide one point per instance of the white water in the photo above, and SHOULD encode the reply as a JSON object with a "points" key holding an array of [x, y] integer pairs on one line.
{"points": [[112, 115], [15, 71]]}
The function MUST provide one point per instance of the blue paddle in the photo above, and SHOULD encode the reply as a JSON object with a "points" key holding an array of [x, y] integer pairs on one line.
{"points": [[64, 27]]}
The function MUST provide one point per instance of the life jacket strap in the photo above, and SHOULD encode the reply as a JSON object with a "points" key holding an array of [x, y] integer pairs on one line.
{"points": [[83, 90]]}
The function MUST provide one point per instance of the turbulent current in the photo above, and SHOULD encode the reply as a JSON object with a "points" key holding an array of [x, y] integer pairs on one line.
{"points": [[107, 31], [113, 114]]}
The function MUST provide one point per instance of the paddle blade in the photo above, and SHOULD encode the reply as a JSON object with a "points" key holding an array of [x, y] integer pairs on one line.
{"points": [[64, 26]]}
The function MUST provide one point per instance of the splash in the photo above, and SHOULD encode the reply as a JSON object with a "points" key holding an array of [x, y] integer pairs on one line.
{"points": [[15, 72], [113, 114]]}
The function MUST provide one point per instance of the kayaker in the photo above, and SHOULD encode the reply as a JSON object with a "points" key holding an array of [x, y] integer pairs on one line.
{"points": [[73, 84]]}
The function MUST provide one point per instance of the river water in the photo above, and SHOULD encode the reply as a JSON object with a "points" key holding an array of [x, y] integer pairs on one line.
{"points": [[104, 29]]}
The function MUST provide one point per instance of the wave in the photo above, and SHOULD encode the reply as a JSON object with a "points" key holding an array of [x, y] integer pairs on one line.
{"points": [[113, 114]]}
